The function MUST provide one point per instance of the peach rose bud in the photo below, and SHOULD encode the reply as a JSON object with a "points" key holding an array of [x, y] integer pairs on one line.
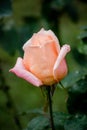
{"points": [[44, 60]]}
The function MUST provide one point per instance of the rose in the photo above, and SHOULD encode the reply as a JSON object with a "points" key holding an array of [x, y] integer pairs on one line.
{"points": [[44, 61]]}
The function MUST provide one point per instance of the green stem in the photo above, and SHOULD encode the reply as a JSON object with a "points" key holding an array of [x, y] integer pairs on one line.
{"points": [[49, 96]]}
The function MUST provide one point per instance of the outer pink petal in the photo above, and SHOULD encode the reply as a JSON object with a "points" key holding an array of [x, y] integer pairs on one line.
{"points": [[21, 72], [60, 64]]}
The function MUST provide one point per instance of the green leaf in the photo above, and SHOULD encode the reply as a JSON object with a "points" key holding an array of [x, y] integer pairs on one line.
{"points": [[5, 8], [82, 48], [73, 77], [82, 35], [81, 59], [83, 27], [76, 123], [59, 120], [39, 123], [43, 122], [77, 100]]}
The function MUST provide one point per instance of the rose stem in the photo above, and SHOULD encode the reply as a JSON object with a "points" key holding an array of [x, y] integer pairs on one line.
{"points": [[49, 96]]}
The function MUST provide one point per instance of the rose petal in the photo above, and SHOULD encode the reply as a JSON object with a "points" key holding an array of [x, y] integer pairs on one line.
{"points": [[40, 61], [56, 41], [49, 34], [26, 44], [21, 72], [60, 65], [61, 71], [53, 37]]}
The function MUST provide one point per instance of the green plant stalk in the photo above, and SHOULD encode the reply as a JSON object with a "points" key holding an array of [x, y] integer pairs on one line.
{"points": [[49, 97]]}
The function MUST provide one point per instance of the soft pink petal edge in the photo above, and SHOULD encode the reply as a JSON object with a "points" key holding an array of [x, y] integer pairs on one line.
{"points": [[21, 72], [64, 50], [50, 33], [47, 32], [56, 41]]}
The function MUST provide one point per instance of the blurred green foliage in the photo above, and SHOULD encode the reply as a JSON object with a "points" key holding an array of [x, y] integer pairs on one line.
{"points": [[5, 8], [19, 101]]}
